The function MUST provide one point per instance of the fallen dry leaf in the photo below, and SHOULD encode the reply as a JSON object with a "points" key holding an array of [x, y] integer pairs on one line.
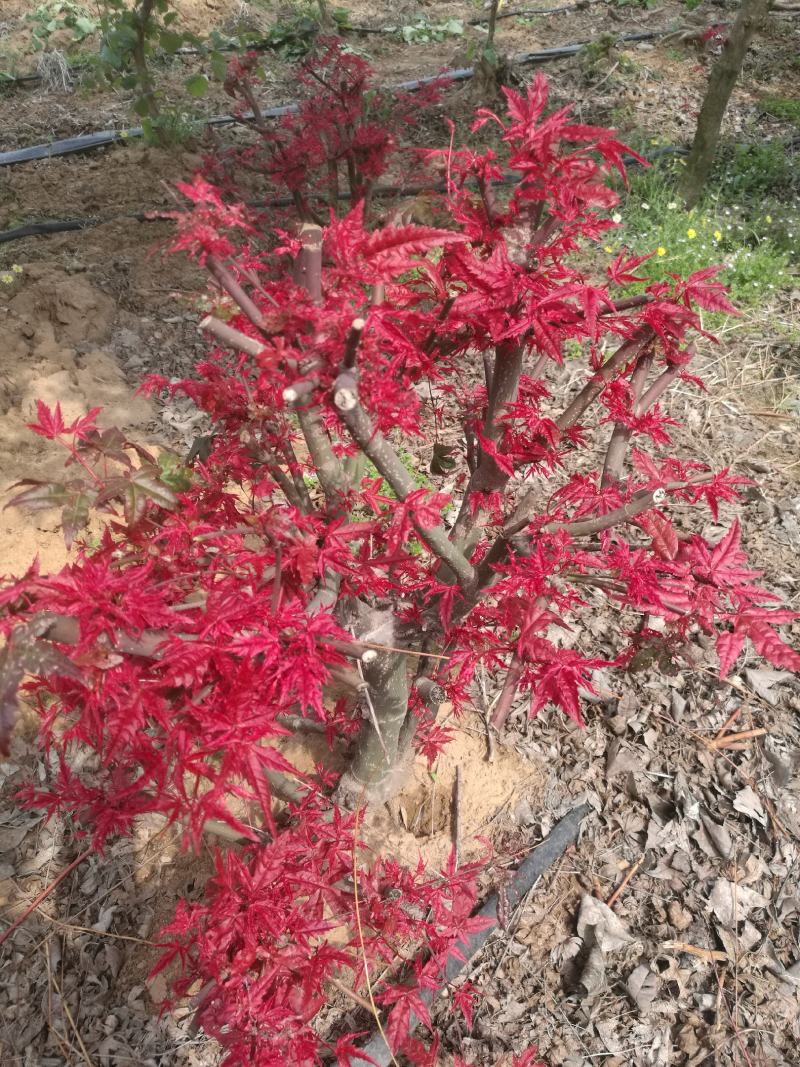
{"points": [[731, 902], [748, 803], [642, 986]]}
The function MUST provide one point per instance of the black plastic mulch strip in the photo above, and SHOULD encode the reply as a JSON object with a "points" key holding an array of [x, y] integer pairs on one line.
{"points": [[90, 141], [265, 45], [564, 833], [45, 227]]}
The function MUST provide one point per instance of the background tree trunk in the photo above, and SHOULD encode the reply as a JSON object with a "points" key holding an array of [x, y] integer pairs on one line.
{"points": [[751, 17], [143, 28], [490, 71]]}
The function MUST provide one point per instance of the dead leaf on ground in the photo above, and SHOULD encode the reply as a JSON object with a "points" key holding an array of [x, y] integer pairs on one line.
{"points": [[762, 681], [642, 987], [731, 901], [749, 803]]}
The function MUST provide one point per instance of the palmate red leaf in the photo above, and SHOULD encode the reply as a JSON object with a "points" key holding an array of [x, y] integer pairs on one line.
{"points": [[729, 644], [405, 1000], [51, 422], [528, 108], [349, 1054], [418, 1054], [711, 295], [727, 552], [464, 999], [622, 267], [392, 250], [772, 647], [547, 339], [663, 534]]}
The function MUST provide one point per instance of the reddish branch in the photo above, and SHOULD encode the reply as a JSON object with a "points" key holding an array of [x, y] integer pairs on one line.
{"points": [[621, 434], [45, 893], [503, 386], [376, 448], [508, 692], [220, 273]]}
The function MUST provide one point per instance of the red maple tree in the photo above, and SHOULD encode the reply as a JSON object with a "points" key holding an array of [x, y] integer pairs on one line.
{"points": [[302, 550]]}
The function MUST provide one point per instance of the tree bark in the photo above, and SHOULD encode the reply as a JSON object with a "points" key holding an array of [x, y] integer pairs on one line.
{"points": [[502, 385], [751, 17], [144, 15], [373, 774]]}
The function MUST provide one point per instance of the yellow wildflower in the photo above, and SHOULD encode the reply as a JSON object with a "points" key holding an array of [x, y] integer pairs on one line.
{"points": [[768, 218], [691, 233], [717, 235], [661, 251], [16, 268], [6, 278], [608, 248]]}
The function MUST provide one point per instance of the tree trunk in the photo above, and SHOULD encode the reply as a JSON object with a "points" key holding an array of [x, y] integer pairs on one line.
{"points": [[144, 15], [374, 771], [751, 17], [490, 68]]}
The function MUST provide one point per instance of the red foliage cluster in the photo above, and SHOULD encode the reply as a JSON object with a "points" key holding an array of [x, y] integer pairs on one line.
{"points": [[334, 145], [215, 609]]}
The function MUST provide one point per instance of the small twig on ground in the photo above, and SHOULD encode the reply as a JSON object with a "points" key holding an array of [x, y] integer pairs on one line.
{"points": [[743, 689], [612, 900], [97, 933], [70, 1019], [351, 994], [730, 720], [45, 893], [65, 1048], [769, 807], [733, 740], [711, 954], [734, 1022], [605, 79]]}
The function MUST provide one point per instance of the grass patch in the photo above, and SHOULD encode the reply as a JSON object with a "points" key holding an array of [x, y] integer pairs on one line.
{"points": [[756, 244], [781, 107], [755, 171]]}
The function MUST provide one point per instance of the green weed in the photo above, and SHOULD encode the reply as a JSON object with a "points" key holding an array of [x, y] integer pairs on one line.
{"points": [[421, 31], [54, 15], [781, 107], [755, 247], [171, 128], [755, 171]]}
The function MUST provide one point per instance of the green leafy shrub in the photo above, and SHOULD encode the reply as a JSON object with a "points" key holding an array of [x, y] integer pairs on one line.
{"points": [[421, 31], [53, 16]]}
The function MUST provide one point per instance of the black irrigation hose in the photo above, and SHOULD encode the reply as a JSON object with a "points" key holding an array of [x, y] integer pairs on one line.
{"points": [[265, 45], [564, 833], [522, 12], [46, 227], [89, 141]]}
